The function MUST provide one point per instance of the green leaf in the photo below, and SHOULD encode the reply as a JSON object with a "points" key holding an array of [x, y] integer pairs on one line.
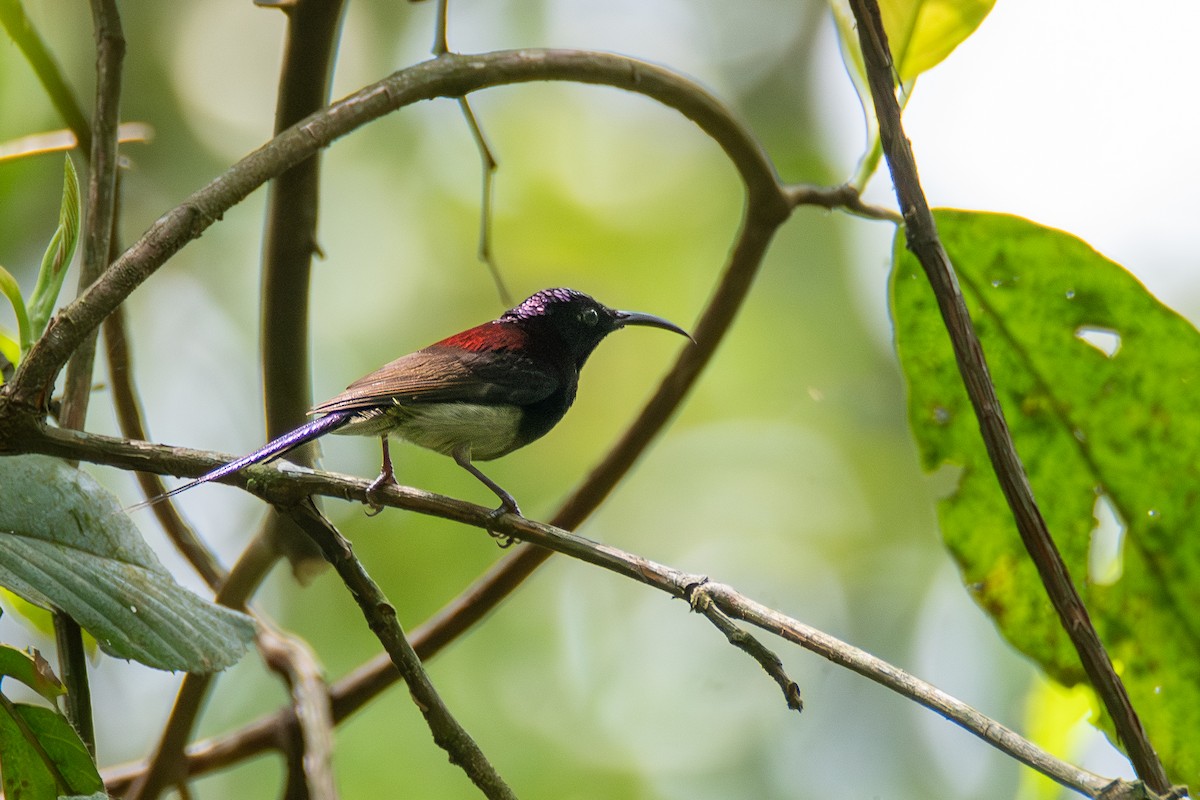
{"points": [[23, 771], [1098, 383], [10, 350], [11, 290], [30, 669], [65, 543], [31, 736], [58, 255], [921, 34], [35, 617]]}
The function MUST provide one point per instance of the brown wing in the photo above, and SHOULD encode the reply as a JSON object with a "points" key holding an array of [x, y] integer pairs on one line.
{"points": [[441, 374]]}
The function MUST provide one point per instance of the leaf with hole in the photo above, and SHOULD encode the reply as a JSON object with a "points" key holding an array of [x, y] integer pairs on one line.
{"points": [[1098, 383], [65, 543]]}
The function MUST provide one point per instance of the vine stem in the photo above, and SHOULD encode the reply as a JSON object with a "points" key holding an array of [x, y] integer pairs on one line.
{"points": [[922, 239]]}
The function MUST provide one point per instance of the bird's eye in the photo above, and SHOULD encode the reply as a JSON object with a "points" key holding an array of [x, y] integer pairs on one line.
{"points": [[589, 316]]}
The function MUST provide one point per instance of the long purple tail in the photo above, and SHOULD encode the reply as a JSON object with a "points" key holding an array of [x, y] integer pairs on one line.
{"points": [[269, 451]]}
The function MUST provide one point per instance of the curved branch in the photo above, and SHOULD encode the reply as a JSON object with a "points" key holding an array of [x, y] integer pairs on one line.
{"points": [[447, 76]]}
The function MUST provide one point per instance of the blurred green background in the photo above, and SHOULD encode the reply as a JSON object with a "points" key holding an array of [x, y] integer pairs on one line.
{"points": [[789, 474]]}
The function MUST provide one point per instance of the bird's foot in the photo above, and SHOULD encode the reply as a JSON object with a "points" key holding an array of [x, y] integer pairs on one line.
{"points": [[503, 540], [384, 480]]}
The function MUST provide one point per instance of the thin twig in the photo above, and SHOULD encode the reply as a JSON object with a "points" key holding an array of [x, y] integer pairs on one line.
{"points": [[381, 617], [702, 602], [440, 41], [845, 197], [487, 166], [923, 241], [487, 159], [18, 26]]}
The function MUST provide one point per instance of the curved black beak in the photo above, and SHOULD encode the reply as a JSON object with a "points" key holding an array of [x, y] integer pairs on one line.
{"points": [[651, 321]]}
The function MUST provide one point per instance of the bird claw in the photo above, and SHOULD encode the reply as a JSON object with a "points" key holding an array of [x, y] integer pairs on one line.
{"points": [[384, 480], [503, 540]]}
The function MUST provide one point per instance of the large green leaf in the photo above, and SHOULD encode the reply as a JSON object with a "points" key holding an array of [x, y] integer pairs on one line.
{"points": [[38, 749], [65, 543], [1099, 384]]}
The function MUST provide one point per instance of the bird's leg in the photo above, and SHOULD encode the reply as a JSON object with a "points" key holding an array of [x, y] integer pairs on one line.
{"points": [[387, 477], [462, 456]]}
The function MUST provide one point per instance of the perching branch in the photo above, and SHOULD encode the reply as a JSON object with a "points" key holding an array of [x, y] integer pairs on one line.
{"points": [[922, 239], [694, 588]]}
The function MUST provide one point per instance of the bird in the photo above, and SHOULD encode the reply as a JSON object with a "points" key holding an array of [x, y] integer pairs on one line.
{"points": [[474, 396]]}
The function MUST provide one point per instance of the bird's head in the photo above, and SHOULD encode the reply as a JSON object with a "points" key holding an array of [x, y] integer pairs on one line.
{"points": [[580, 321]]}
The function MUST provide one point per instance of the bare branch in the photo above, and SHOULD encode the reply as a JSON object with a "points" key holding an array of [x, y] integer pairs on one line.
{"points": [[310, 755], [381, 617], [488, 166]]}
